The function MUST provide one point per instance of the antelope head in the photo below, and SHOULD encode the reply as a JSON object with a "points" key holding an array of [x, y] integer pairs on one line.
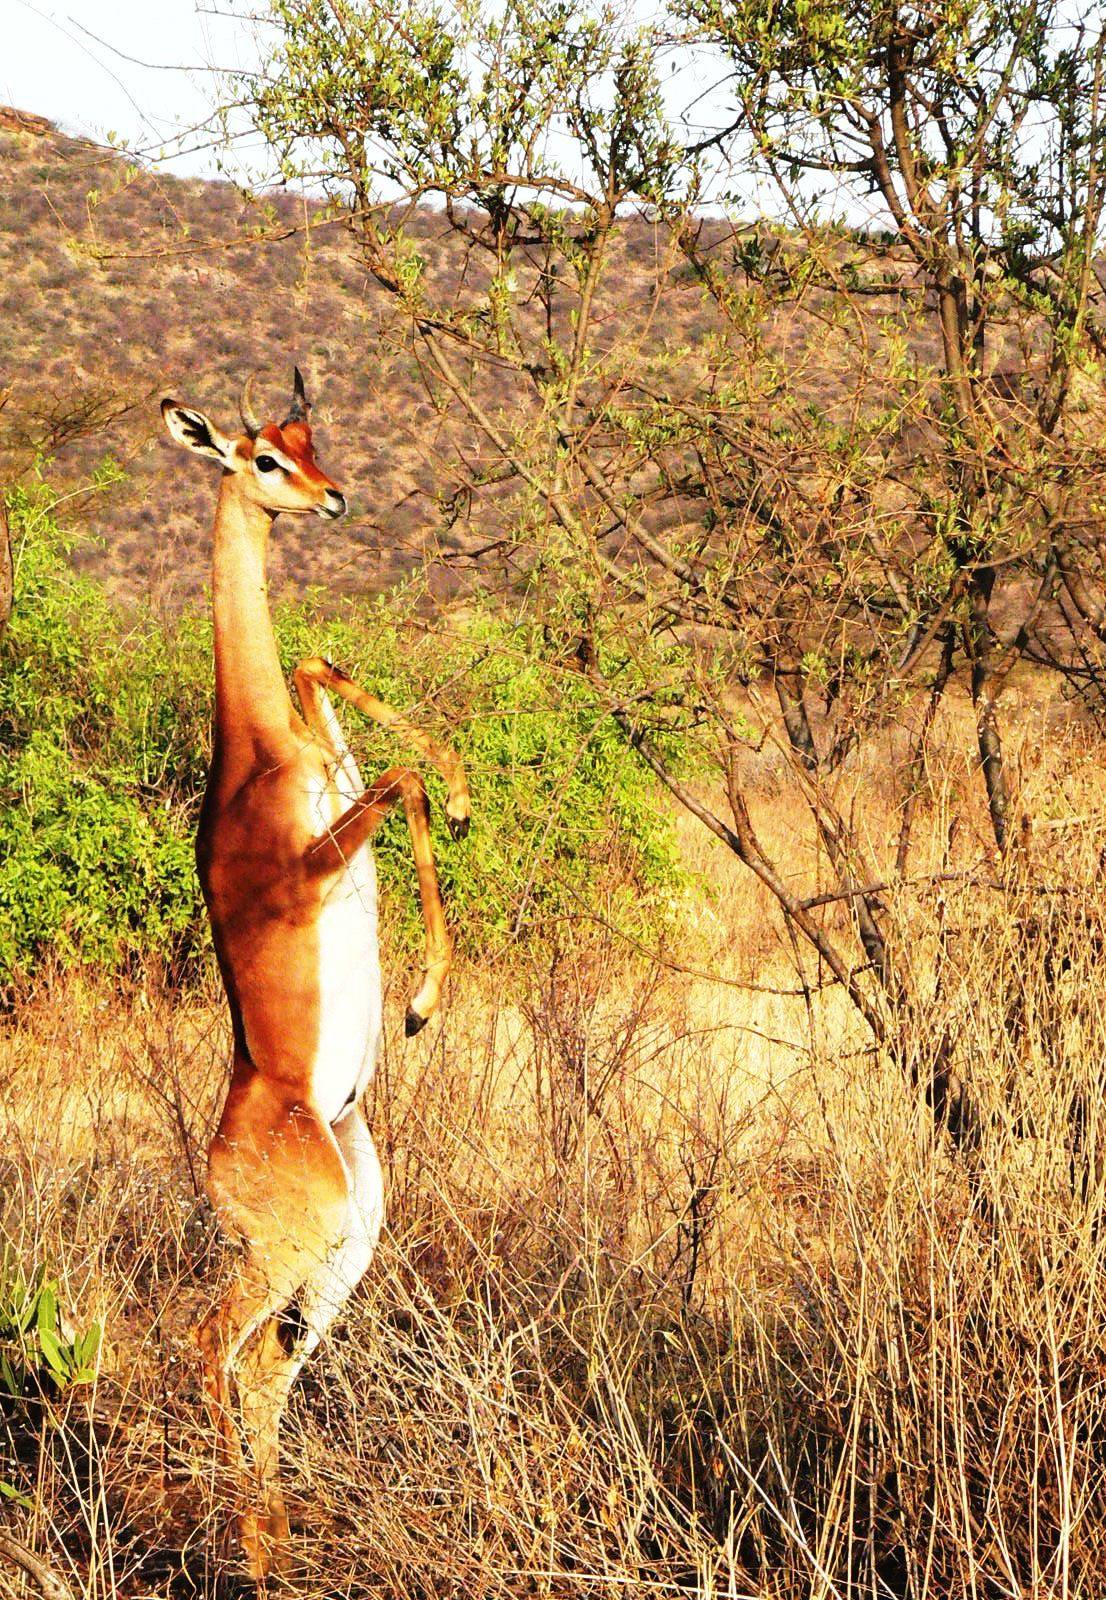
{"points": [[273, 463]]}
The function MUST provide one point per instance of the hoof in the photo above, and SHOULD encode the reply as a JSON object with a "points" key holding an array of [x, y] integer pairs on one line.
{"points": [[458, 826], [413, 1023], [236, 1586], [264, 1541]]}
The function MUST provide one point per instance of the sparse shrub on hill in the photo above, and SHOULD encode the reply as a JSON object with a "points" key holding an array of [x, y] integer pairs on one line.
{"points": [[104, 738]]}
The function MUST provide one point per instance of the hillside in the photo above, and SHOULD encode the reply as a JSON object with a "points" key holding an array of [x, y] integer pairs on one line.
{"points": [[120, 284], [106, 339]]}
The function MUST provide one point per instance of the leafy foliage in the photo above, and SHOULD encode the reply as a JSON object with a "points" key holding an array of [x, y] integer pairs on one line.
{"points": [[40, 1356], [101, 759], [458, 99], [35, 1343], [564, 822]]}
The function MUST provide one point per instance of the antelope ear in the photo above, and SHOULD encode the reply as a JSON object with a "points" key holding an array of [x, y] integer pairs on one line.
{"points": [[196, 432]]}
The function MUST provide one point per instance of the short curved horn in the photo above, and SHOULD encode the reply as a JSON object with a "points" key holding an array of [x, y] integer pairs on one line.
{"points": [[301, 406], [250, 419]]}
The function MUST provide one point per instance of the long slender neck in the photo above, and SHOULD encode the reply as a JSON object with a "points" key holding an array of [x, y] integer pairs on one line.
{"points": [[251, 700]]}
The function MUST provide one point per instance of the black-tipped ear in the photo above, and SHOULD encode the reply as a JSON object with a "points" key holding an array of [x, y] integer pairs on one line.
{"points": [[195, 431]]}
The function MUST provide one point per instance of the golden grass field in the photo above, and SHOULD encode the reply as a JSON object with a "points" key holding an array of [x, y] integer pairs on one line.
{"points": [[679, 1291]]}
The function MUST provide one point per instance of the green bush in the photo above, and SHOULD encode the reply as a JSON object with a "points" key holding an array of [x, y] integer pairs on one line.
{"points": [[102, 754], [104, 740], [566, 823]]}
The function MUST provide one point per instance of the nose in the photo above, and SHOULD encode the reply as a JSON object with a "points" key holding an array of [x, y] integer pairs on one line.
{"points": [[334, 505]]}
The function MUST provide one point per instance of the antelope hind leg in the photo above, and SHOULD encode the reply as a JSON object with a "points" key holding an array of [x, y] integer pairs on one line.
{"points": [[278, 1180], [270, 1367]]}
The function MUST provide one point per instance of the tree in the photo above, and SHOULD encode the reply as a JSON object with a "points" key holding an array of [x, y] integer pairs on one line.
{"points": [[829, 490], [980, 129]]}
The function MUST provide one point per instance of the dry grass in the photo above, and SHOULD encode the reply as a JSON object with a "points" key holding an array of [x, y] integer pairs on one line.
{"points": [[676, 1296], [680, 1292], [480, 1420]]}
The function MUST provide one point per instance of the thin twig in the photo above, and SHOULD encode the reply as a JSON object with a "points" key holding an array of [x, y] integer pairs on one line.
{"points": [[49, 1583]]}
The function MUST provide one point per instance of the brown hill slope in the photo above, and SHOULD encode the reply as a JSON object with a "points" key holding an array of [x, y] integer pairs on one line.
{"points": [[98, 341], [117, 284]]}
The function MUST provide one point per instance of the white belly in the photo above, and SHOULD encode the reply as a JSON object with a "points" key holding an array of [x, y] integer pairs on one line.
{"points": [[350, 1000]]}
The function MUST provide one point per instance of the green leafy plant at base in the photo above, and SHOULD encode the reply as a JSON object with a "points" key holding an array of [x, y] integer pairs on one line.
{"points": [[104, 745], [34, 1346], [40, 1356]]}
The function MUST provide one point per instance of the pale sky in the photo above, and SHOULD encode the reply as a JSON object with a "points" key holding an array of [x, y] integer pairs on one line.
{"points": [[100, 67], [140, 71]]}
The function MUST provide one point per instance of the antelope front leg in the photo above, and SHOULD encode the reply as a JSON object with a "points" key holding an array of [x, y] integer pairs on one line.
{"points": [[317, 670], [333, 849]]}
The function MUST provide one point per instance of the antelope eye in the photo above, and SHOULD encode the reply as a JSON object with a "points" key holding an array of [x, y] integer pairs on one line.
{"points": [[265, 464]]}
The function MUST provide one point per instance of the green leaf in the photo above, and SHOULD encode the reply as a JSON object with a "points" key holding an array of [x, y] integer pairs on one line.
{"points": [[47, 1311], [55, 1356], [85, 1349]]}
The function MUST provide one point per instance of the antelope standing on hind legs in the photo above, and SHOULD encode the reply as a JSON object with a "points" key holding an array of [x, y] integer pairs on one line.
{"points": [[290, 885]]}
